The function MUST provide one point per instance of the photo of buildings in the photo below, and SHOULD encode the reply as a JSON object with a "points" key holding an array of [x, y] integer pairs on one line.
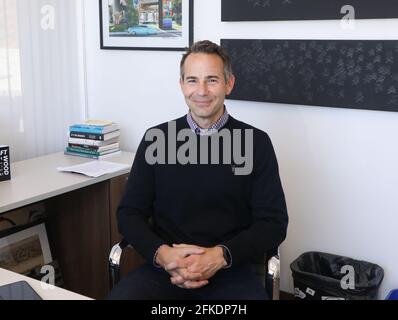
{"points": [[145, 18]]}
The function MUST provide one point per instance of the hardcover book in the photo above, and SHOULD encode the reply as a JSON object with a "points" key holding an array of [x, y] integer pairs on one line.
{"points": [[94, 148], [93, 129], [95, 136], [90, 142], [95, 153], [5, 163], [95, 122], [86, 155]]}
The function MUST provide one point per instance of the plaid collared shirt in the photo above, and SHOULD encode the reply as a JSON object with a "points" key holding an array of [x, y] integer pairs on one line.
{"points": [[213, 129]]}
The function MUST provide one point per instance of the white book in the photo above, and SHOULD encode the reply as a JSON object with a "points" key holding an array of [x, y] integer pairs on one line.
{"points": [[90, 142], [96, 122]]}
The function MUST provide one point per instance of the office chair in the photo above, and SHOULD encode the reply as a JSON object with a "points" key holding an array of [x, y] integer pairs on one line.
{"points": [[267, 270]]}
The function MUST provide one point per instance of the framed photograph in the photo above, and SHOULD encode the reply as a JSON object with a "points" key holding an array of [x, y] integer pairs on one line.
{"points": [[25, 250], [146, 24]]}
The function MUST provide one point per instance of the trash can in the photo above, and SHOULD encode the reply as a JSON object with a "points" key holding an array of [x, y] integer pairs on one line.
{"points": [[325, 276]]}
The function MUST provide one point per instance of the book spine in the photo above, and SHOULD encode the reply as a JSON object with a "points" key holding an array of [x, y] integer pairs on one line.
{"points": [[84, 147], [94, 123], [99, 149], [94, 130], [85, 155], [87, 142], [71, 149], [5, 163], [95, 153], [82, 135]]}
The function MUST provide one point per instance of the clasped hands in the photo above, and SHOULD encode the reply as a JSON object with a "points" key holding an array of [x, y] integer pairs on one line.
{"points": [[190, 266]]}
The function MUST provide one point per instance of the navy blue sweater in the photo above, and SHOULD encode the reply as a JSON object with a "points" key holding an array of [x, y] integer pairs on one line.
{"points": [[205, 204]]}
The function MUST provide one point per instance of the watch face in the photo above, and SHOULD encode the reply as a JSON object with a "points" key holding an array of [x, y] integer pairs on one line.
{"points": [[20, 290]]}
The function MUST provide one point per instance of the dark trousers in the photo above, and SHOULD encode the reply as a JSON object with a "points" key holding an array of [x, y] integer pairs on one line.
{"points": [[150, 283]]}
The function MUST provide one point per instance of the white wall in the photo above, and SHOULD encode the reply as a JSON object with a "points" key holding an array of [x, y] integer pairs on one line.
{"points": [[338, 166]]}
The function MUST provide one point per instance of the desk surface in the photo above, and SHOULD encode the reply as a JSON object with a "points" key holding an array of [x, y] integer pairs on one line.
{"points": [[38, 179], [45, 291]]}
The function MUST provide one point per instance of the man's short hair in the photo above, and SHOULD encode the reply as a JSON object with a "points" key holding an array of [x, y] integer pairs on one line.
{"points": [[208, 47]]}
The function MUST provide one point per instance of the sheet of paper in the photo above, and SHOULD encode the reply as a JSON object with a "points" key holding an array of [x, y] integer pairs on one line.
{"points": [[95, 168]]}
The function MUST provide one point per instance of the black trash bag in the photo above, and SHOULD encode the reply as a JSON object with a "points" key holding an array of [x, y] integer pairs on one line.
{"points": [[325, 276]]}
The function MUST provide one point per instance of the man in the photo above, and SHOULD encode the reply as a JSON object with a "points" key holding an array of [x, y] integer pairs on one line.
{"points": [[209, 219]]}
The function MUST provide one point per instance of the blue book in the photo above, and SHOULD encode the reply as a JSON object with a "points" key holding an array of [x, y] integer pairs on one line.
{"points": [[93, 129], [86, 155]]}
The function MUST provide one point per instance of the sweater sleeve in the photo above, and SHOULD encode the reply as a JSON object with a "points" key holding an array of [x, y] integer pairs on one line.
{"points": [[136, 207], [268, 207]]}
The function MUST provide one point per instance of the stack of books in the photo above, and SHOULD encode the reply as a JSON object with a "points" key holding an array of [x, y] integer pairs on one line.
{"points": [[95, 139]]}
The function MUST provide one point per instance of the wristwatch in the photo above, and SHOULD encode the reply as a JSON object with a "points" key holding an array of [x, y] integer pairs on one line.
{"points": [[226, 255]]}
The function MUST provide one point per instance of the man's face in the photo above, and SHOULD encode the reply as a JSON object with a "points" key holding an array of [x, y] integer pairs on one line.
{"points": [[204, 86]]}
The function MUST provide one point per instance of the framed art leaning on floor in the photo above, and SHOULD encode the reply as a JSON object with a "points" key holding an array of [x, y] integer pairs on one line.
{"points": [[26, 249]]}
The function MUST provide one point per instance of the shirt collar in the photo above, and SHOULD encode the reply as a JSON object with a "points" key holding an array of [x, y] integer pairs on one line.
{"points": [[213, 129]]}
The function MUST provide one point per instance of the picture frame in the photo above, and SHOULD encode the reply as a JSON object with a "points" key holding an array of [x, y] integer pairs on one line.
{"points": [[25, 249], [140, 25]]}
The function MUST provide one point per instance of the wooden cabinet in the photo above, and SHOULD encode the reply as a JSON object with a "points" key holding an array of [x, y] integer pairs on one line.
{"points": [[79, 235], [82, 228], [117, 186]]}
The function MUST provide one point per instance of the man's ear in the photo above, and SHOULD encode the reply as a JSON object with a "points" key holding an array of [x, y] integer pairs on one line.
{"points": [[230, 84], [181, 82]]}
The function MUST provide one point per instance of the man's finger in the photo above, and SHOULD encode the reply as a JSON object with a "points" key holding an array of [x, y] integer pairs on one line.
{"points": [[171, 266], [189, 284], [177, 280], [189, 275], [195, 284], [191, 250], [179, 264], [182, 272], [182, 245]]}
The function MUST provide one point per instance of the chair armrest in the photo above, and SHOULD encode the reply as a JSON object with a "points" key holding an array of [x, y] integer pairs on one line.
{"points": [[274, 267], [273, 275], [114, 261], [115, 255]]}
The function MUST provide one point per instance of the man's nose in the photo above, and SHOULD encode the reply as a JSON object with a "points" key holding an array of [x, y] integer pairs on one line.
{"points": [[203, 89]]}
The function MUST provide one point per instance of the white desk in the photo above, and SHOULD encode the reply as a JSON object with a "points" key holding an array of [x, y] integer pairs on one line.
{"points": [[37, 179], [81, 221], [46, 292]]}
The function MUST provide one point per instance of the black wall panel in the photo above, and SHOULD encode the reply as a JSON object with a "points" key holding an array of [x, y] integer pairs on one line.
{"points": [[261, 10], [359, 74]]}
